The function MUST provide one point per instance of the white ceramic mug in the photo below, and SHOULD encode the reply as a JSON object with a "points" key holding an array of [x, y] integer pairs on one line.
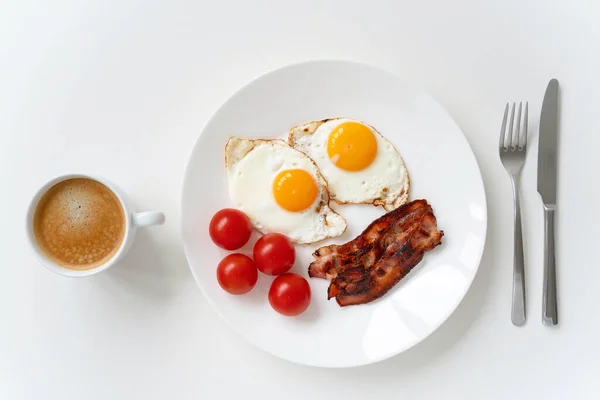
{"points": [[133, 221]]}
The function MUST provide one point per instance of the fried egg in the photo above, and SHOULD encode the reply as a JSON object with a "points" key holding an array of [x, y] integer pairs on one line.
{"points": [[358, 163], [281, 190]]}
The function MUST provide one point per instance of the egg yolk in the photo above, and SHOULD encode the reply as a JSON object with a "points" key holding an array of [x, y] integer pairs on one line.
{"points": [[352, 146], [295, 190]]}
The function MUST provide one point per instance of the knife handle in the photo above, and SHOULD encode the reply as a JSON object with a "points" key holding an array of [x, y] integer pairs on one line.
{"points": [[549, 301]]}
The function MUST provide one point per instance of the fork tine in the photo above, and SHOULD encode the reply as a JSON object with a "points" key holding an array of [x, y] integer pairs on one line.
{"points": [[517, 139], [510, 127], [525, 123], [503, 129]]}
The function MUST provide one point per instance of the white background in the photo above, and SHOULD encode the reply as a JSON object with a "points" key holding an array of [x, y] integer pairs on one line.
{"points": [[122, 89]]}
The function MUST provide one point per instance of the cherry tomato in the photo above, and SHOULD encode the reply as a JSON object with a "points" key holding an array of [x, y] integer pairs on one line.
{"points": [[274, 254], [289, 294], [237, 274], [230, 229]]}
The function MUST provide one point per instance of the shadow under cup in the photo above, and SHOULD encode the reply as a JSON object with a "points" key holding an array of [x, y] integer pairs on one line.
{"points": [[78, 225]]}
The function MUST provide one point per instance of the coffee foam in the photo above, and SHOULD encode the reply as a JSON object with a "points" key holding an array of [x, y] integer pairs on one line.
{"points": [[79, 223]]}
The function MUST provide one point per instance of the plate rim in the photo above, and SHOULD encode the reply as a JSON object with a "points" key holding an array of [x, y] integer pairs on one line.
{"points": [[187, 178]]}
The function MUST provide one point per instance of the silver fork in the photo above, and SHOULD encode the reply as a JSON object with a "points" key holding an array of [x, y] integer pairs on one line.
{"points": [[513, 149]]}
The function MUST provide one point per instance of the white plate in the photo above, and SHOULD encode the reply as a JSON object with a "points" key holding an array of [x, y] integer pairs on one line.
{"points": [[442, 168]]}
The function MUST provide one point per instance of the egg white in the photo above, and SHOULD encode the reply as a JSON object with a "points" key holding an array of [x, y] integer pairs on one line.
{"points": [[384, 182], [252, 166]]}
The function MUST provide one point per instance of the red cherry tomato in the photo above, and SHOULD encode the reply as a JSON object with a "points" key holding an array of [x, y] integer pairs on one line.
{"points": [[237, 274], [289, 294], [274, 254], [230, 229]]}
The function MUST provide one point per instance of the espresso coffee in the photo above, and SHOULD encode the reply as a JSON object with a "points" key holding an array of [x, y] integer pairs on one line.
{"points": [[79, 223]]}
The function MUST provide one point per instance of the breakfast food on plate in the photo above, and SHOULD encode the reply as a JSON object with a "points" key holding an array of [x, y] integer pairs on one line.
{"points": [[289, 294], [367, 267], [281, 190], [237, 274], [230, 229], [274, 254], [358, 163]]}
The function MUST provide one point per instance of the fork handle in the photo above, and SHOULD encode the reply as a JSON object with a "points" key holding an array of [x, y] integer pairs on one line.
{"points": [[518, 292], [550, 303]]}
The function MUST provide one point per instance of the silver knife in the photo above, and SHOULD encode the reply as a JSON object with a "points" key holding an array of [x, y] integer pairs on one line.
{"points": [[546, 184]]}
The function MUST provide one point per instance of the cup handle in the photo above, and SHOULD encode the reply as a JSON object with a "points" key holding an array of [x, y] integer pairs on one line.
{"points": [[148, 218]]}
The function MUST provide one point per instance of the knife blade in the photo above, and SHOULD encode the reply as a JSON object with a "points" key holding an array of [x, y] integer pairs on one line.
{"points": [[547, 149], [548, 141]]}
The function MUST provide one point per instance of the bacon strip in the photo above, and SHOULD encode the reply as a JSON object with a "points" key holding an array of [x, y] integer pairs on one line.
{"points": [[367, 267]]}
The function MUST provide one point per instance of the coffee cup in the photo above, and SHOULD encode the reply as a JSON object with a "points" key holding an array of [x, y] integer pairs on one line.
{"points": [[80, 225]]}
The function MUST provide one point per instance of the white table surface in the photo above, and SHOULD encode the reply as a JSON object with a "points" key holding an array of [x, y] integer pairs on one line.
{"points": [[122, 89]]}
